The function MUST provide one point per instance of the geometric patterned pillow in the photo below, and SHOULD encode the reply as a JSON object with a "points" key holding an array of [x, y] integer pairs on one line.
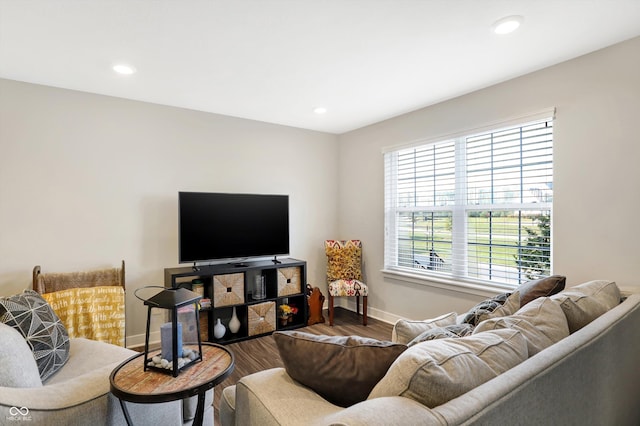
{"points": [[449, 331], [30, 314], [478, 313]]}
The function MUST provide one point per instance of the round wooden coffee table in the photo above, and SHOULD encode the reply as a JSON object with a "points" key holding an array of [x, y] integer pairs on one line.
{"points": [[129, 381]]}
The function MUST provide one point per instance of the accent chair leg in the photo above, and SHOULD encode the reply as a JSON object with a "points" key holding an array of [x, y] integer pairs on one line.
{"points": [[364, 310], [357, 305], [330, 310]]}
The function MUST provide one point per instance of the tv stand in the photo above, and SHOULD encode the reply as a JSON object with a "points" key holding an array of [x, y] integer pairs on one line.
{"points": [[231, 287]]}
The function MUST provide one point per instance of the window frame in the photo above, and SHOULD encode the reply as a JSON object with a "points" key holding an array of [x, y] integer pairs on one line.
{"points": [[459, 210]]}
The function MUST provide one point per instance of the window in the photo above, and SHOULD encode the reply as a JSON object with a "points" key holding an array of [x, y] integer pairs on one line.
{"points": [[474, 208]]}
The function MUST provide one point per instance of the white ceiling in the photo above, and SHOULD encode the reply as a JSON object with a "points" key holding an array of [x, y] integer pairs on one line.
{"points": [[276, 60]]}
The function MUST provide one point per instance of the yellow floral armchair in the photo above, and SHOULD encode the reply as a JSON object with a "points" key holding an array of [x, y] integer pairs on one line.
{"points": [[344, 274]]}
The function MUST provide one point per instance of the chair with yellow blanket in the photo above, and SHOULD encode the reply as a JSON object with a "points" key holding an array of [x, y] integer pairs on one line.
{"points": [[91, 304]]}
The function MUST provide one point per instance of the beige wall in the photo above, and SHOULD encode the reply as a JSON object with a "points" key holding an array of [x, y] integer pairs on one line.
{"points": [[87, 180], [597, 150]]}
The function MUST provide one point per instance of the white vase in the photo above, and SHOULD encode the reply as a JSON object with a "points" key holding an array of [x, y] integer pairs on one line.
{"points": [[234, 324], [219, 329]]}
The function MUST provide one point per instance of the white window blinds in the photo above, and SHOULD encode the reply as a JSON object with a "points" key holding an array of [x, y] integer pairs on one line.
{"points": [[475, 207]]}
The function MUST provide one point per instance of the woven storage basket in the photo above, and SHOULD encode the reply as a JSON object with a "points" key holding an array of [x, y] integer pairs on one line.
{"points": [[262, 318], [228, 289], [289, 281]]}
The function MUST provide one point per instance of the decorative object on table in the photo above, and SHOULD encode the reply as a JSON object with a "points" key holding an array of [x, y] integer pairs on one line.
{"points": [[316, 301], [259, 290], [219, 330], [286, 313], [130, 384], [176, 354], [344, 274], [197, 286], [234, 324]]}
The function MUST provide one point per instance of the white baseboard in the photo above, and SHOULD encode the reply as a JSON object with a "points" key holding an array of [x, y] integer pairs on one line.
{"points": [[137, 340], [349, 303]]}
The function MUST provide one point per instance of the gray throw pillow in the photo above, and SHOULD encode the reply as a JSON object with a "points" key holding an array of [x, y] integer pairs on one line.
{"points": [[437, 371], [32, 316], [19, 369], [453, 331], [541, 322], [341, 369], [543, 287], [585, 302]]}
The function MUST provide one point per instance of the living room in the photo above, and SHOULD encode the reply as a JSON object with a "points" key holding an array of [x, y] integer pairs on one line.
{"points": [[88, 179]]}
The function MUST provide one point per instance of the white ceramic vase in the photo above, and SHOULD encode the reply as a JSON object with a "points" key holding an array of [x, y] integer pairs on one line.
{"points": [[219, 329], [234, 324]]}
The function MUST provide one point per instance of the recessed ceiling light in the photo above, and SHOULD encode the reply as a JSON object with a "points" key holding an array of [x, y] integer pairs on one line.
{"points": [[507, 25], [124, 69], [320, 110]]}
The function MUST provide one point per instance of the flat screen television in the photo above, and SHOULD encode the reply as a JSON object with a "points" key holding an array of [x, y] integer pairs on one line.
{"points": [[222, 226]]}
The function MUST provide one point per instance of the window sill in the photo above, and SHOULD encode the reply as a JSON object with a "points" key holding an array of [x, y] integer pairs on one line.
{"points": [[476, 289]]}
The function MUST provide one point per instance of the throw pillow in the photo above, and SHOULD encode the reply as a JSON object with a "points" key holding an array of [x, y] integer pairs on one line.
{"points": [[543, 287], [454, 331], [341, 369], [30, 314], [584, 303], [19, 368], [541, 322], [406, 330], [499, 306], [437, 371]]}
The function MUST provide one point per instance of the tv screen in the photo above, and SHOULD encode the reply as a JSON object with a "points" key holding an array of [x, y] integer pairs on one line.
{"points": [[215, 226]]}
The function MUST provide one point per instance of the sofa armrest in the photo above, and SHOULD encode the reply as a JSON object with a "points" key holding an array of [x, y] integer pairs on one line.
{"points": [[65, 394], [384, 411], [271, 397]]}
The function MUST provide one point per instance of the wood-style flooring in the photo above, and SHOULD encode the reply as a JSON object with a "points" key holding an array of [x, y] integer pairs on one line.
{"points": [[261, 353]]}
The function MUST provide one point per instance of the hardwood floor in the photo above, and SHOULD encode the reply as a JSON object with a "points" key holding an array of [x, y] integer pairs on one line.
{"points": [[261, 353]]}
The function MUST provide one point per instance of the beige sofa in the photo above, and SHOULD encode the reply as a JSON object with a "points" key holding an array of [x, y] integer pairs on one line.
{"points": [[590, 377]]}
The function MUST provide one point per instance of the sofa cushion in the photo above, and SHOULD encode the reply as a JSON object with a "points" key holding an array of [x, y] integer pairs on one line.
{"points": [[406, 330], [437, 371], [541, 322], [455, 330], [30, 314], [341, 369], [499, 306], [542, 287], [19, 368], [584, 303]]}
